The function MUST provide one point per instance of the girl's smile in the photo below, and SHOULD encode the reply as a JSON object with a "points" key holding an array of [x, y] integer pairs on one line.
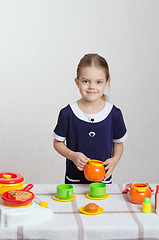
{"points": [[91, 92]]}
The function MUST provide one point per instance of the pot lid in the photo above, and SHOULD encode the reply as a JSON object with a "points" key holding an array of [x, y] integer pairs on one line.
{"points": [[10, 178], [96, 163]]}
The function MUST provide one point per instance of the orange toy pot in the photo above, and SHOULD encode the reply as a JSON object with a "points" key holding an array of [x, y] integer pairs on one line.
{"points": [[138, 192], [94, 171]]}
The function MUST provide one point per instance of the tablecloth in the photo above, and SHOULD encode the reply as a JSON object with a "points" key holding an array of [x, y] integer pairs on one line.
{"points": [[120, 219]]}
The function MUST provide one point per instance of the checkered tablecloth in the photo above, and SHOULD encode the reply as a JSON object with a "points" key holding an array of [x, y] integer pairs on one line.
{"points": [[120, 219]]}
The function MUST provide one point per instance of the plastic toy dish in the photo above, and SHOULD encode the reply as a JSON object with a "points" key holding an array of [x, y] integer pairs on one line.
{"points": [[88, 195], [23, 206], [55, 197], [82, 210], [19, 203]]}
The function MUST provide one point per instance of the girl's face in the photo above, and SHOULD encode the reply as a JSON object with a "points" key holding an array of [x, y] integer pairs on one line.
{"points": [[92, 83]]}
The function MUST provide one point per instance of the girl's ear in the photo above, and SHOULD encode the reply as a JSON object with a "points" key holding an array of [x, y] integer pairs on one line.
{"points": [[107, 83], [77, 82]]}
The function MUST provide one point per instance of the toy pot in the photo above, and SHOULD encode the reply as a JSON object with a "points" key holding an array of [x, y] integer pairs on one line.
{"points": [[94, 170], [139, 192], [10, 181]]}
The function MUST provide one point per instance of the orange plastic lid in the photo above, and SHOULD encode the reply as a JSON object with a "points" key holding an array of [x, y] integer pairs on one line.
{"points": [[10, 178]]}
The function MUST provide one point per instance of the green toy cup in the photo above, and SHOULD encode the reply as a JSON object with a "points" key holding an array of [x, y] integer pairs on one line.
{"points": [[64, 191], [97, 189]]}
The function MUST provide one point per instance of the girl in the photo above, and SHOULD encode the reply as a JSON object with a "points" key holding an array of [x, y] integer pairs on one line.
{"points": [[92, 127]]}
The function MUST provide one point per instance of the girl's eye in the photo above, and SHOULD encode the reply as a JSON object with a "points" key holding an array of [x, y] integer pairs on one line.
{"points": [[85, 81], [99, 82]]}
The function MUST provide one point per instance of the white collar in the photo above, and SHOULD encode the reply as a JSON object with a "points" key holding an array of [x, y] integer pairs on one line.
{"points": [[93, 118]]}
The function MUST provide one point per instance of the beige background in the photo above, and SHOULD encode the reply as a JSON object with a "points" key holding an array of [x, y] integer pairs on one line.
{"points": [[41, 43]]}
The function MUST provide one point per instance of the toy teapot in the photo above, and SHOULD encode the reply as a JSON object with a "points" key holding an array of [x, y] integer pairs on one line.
{"points": [[138, 192], [94, 170]]}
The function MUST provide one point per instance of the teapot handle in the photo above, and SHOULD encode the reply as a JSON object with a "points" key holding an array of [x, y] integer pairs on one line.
{"points": [[127, 188], [150, 188]]}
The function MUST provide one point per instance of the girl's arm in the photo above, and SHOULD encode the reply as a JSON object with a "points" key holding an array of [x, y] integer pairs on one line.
{"points": [[112, 162], [79, 159]]}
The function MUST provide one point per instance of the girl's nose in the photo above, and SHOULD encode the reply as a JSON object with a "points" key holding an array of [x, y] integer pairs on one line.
{"points": [[91, 85]]}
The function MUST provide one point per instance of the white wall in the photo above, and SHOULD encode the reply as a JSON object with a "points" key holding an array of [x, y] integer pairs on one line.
{"points": [[41, 43]]}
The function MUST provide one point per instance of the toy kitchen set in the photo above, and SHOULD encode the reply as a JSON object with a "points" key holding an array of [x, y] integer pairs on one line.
{"points": [[19, 206]]}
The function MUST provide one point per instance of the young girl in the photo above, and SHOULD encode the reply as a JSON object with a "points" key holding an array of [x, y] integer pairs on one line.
{"points": [[92, 127]]}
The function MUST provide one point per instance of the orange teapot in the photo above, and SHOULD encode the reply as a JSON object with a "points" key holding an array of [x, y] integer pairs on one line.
{"points": [[94, 170], [138, 192]]}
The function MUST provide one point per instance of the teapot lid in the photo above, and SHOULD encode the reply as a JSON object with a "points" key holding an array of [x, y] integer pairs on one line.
{"points": [[96, 163]]}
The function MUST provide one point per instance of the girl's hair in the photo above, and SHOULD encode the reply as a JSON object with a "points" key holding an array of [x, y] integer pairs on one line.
{"points": [[94, 60]]}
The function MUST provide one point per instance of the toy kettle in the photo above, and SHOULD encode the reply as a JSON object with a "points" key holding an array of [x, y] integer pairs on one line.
{"points": [[94, 170], [138, 192]]}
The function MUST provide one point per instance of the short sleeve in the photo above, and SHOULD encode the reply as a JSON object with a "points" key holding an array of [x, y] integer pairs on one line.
{"points": [[120, 131], [61, 129]]}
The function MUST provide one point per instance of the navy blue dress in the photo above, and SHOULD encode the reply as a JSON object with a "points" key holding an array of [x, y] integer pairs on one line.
{"points": [[91, 134]]}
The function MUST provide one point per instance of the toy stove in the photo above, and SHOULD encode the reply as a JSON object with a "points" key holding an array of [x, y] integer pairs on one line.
{"points": [[14, 216]]}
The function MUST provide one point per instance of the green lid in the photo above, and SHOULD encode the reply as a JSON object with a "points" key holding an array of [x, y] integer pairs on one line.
{"points": [[147, 200]]}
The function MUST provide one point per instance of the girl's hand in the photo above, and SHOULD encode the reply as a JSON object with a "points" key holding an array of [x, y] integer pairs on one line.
{"points": [[110, 165], [80, 160]]}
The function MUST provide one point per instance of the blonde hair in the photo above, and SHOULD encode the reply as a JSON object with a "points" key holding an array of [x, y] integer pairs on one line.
{"points": [[94, 60]]}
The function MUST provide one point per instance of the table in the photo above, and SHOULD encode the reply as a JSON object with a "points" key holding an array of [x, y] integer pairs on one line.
{"points": [[120, 219]]}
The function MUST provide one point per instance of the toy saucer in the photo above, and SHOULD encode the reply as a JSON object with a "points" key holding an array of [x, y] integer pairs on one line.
{"points": [[82, 210], [23, 206], [101, 198], [55, 197]]}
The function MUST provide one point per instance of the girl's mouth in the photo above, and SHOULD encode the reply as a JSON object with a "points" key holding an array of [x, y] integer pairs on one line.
{"points": [[91, 92]]}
